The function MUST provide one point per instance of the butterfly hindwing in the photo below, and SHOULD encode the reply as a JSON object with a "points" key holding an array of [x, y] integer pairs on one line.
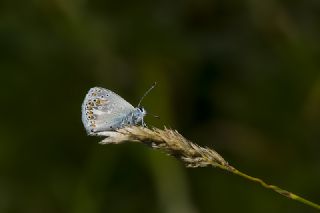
{"points": [[103, 110]]}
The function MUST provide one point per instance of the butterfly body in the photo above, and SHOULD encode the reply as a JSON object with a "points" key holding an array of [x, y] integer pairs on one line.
{"points": [[104, 110]]}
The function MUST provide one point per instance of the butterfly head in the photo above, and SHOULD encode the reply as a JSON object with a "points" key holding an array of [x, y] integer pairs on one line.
{"points": [[139, 114], [142, 110]]}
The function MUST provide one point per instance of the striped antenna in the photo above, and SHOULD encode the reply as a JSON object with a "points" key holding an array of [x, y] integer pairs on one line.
{"points": [[147, 92]]}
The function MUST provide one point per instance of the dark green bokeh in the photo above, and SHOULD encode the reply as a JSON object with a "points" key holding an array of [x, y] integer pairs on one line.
{"points": [[240, 76]]}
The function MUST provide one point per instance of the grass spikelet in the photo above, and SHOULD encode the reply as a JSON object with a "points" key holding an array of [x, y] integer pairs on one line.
{"points": [[173, 143]]}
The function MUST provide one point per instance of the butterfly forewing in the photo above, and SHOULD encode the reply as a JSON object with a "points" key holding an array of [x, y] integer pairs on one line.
{"points": [[102, 109]]}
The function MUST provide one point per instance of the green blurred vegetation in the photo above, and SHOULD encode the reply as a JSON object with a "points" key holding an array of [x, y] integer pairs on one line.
{"points": [[240, 76]]}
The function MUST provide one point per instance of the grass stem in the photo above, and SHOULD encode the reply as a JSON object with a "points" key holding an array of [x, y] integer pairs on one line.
{"points": [[192, 155]]}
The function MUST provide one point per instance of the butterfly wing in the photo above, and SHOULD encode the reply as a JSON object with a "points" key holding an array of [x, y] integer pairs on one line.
{"points": [[103, 110]]}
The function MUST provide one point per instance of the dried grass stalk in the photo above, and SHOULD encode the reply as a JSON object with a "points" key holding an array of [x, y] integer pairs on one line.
{"points": [[169, 141], [192, 155]]}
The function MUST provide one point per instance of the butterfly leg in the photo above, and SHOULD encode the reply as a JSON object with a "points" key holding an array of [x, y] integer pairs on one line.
{"points": [[143, 123]]}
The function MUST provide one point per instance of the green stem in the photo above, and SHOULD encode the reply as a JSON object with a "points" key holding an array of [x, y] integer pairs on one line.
{"points": [[276, 189]]}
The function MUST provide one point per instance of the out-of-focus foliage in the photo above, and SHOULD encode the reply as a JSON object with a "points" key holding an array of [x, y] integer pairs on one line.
{"points": [[240, 76]]}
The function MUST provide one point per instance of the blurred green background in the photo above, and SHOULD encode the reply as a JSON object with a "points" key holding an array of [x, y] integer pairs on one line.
{"points": [[242, 77]]}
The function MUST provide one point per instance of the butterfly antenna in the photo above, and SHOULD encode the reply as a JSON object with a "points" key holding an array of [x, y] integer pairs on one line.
{"points": [[147, 92]]}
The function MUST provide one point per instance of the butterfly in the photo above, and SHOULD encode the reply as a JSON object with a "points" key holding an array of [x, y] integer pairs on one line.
{"points": [[104, 110]]}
